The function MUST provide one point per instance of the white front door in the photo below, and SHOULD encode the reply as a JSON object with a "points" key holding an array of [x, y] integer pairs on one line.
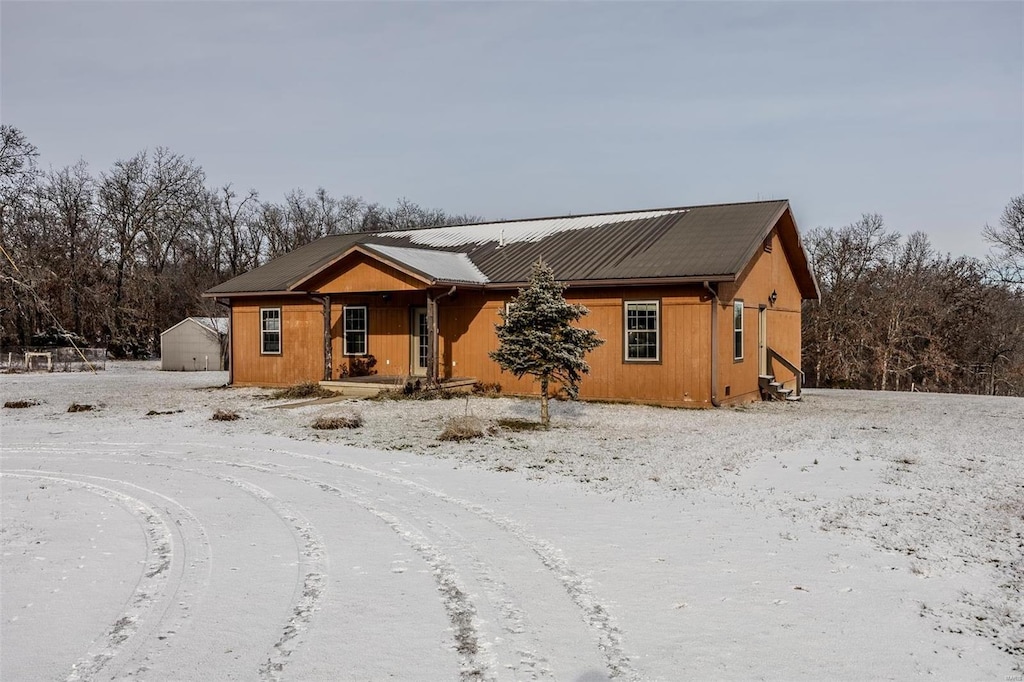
{"points": [[419, 341]]}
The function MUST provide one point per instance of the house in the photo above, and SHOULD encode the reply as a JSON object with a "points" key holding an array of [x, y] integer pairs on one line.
{"points": [[195, 344], [697, 305]]}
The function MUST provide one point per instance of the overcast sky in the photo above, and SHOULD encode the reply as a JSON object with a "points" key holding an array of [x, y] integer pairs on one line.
{"points": [[505, 110]]}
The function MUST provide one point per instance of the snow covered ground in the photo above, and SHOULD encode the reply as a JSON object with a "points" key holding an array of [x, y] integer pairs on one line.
{"points": [[854, 535]]}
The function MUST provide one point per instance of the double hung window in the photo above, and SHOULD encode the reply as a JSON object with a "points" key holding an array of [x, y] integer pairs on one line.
{"points": [[270, 331], [643, 331], [737, 330], [355, 329]]}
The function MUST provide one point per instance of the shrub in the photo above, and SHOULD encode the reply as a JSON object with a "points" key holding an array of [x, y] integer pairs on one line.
{"points": [[78, 407], [463, 428], [417, 390], [306, 389], [360, 367], [14, 404], [488, 390], [225, 416], [337, 422]]}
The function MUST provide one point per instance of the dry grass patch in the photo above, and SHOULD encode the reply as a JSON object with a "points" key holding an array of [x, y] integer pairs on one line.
{"points": [[18, 404], [337, 422], [225, 416], [79, 407], [464, 428], [520, 425], [306, 389]]}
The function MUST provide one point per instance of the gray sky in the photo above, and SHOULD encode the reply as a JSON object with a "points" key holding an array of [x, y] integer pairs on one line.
{"points": [[911, 110]]}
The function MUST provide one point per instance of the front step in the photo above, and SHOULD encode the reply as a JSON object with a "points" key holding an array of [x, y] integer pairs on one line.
{"points": [[773, 390]]}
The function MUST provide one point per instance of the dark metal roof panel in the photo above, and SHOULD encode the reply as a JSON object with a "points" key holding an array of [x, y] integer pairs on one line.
{"points": [[279, 273]]}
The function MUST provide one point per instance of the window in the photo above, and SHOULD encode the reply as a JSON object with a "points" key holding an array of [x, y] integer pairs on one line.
{"points": [[737, 330], [642, 330], [270, 331], [355, 330]]}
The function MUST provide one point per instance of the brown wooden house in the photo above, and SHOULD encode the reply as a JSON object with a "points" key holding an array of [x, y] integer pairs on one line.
{"points": [[697, 305]]}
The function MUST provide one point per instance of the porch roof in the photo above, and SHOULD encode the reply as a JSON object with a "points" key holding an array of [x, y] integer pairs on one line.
{"points": [[439, 266]]}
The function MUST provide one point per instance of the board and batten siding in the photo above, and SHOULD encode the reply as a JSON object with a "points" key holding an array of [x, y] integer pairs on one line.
{"points": [[768, 271], [302, 344], [681, 376], [389, 330]]}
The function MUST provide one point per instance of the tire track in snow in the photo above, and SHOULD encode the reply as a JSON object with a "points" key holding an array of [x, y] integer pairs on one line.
{"points": [[312, 557], [456, 602], [188, 585], [149, 589], [499, 595], [594, 613]]}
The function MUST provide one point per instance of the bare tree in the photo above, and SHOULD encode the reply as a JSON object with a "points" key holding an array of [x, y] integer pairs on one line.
{"points": [[146, 205], [68, 194], [1007, 240]]}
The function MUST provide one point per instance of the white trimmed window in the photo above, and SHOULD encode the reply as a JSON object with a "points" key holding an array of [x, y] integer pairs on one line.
{"points": [[355, 329], [643, 331], [270, 331], [737, 330]]}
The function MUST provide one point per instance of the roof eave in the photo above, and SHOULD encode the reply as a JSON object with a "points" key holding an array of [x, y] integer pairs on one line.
{"points": [[250, 294]]}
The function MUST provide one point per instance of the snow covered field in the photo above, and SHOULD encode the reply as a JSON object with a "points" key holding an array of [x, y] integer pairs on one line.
{"points": [[854, 535]]}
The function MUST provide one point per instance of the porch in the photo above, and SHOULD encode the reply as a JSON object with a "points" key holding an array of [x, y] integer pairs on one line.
{"points": [[368, 386]]}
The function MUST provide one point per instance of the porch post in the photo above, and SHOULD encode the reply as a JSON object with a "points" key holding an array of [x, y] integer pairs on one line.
{"points": [[431, 338], [328, 361]]}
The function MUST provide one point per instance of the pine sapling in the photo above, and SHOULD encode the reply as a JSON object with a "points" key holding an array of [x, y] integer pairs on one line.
{"points": [[537, 337]]}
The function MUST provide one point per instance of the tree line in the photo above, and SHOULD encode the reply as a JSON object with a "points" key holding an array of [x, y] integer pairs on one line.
{"points": [[897, 315], [115, 257]]}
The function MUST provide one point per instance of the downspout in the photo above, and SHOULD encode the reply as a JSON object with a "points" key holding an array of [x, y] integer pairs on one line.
{"points": [[714, 344], [231, 355]]}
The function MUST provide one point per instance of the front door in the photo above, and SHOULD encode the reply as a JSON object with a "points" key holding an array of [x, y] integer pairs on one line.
{"points": [[762, 340], [419, 341]]}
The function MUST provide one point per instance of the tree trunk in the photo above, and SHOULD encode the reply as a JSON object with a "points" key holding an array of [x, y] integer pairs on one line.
{"points": [[545, 418]]}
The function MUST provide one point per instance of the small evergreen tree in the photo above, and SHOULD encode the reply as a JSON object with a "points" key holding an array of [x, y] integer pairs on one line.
{"points": [[537, 337]]}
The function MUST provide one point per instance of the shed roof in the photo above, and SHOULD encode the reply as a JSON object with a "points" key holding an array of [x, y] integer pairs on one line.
{"points": [[214, 325], [714, 242]]}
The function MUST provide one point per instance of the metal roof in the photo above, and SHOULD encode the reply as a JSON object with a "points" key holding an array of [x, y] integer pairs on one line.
{"points": [[714, 242], [516, 231]]}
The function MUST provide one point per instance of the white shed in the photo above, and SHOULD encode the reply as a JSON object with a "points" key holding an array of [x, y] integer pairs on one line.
{"points": [[195, 344]]}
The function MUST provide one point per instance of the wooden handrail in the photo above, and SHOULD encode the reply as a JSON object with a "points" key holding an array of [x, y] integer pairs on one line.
{"points": [[797, 372]]}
